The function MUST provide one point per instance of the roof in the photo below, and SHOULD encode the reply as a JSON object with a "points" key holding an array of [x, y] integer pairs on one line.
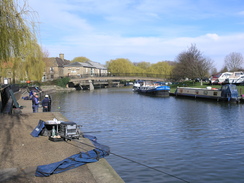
{"points": [[88, 64], [58, 62], [96, 65], [74, 64]]}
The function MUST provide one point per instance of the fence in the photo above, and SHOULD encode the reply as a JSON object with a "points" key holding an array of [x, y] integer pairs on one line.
{"points": [[124, 75]]}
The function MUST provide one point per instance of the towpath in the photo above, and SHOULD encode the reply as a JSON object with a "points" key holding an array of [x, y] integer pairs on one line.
{"points": [[20, 153]]}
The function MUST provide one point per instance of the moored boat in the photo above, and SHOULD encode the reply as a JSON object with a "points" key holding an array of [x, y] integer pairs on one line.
{"points": [[136, 85], [225, 93], [154, 89]]}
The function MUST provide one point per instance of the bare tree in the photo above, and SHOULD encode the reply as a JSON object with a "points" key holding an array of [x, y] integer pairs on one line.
{"points": [[234, 61], [224, 69], [213, 71], [192, 64]]}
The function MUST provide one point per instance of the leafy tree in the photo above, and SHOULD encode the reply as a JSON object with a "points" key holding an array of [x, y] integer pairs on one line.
{"points": [[18, 43], [192, 64], [234, 61], [80, 59], [143, 65], [120, 65], [138, 71], [161, 68], [34, 63]]}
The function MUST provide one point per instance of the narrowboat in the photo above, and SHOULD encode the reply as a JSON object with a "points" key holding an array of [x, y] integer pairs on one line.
{"points": [[227, 92]]}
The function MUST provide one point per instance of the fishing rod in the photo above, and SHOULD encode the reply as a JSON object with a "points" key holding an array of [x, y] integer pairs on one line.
{"points": [[155, 169], [98, 131]]}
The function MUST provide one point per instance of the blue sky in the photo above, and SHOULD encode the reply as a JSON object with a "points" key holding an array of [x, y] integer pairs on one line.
{"points": [[140, 30]]}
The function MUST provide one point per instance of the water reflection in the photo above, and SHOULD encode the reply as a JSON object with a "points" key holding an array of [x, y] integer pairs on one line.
{"points": [[197, 140]]}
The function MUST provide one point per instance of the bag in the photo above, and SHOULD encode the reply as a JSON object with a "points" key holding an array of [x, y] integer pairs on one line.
{"points": [[45, 132]]}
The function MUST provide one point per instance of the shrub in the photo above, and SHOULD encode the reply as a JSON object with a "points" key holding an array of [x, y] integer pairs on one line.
{"points": [[62, 82]]}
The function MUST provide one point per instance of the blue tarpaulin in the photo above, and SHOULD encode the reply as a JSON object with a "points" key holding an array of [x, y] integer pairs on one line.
{"points": [[38, 129], [75, 160]]}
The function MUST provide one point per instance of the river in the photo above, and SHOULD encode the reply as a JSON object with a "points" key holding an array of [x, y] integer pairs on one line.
{"points": [[161, 140]]}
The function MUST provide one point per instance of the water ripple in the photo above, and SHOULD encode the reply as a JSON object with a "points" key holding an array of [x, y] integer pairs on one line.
{"points": [[198, 141]]}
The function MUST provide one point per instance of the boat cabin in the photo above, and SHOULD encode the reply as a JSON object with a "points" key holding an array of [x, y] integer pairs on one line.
{"points": [[220, 77], [227, 92], [235, 78]]}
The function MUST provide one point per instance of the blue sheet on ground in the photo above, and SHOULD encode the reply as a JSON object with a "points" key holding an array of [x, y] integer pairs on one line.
{"points": [[75, 160], [38, 129]]}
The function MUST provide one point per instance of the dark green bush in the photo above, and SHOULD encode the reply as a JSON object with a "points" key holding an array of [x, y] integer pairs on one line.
{"points": [[62, 82]]}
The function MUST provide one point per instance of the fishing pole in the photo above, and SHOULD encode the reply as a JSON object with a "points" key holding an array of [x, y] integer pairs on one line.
{"points": [[139, 163], [98, 131]]}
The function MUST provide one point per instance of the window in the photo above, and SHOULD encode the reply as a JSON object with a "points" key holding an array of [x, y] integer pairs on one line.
{"points": [[238, 74]]}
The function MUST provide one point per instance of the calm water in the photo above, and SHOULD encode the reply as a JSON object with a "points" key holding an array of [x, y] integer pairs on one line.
{"points": [[195, 140]]}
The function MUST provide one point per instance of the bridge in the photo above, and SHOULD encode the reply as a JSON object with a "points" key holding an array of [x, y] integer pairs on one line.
{"points": [[90, 81]]}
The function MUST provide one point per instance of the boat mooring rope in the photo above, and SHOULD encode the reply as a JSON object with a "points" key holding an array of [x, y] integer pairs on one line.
{"points": [[155, 169]]}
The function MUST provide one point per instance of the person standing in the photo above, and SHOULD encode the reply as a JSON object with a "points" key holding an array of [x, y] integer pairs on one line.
{"points": [[45, 104], [35, 102]]}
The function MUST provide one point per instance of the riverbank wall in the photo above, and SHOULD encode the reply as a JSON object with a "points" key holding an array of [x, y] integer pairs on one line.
{"points": [[21, 153]]}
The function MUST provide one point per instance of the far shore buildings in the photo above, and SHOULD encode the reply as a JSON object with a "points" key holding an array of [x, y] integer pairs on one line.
{"points": [[59, 67]]}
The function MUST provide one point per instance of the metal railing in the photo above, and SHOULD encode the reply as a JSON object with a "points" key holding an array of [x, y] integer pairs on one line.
{"points": [[8, 99], [163, 76]]}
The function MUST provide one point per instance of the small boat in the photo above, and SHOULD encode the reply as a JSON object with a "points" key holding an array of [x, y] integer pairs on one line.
{"points": [[154, 89], [227, 92], [137, 84]]}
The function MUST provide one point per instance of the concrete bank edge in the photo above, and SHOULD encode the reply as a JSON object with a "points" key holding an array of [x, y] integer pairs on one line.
{"points": [[102, 171]]}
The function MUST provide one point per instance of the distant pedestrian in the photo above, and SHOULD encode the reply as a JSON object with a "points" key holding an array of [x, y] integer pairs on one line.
{"points": [[35, 102], [46, 104]]}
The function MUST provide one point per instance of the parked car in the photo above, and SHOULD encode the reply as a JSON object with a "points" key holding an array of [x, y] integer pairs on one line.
{"points": [[213, 78]]}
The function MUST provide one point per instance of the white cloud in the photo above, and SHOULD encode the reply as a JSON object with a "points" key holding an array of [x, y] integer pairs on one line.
{"points": [[241, 13], [141, 30], [212, 36], [102, 48]]}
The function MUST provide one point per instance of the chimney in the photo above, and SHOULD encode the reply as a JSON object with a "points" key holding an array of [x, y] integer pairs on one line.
{"points": [[61, 55]]}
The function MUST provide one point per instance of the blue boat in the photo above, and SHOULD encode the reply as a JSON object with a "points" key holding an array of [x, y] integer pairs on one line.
{"points": [[154, 89]]}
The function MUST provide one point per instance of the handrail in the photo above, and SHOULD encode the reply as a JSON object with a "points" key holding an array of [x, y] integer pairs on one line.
{"points": [[122, 75], [7, 99]]}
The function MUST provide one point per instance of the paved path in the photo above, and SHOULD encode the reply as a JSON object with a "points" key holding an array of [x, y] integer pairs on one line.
{"points": [[21, 153]]}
